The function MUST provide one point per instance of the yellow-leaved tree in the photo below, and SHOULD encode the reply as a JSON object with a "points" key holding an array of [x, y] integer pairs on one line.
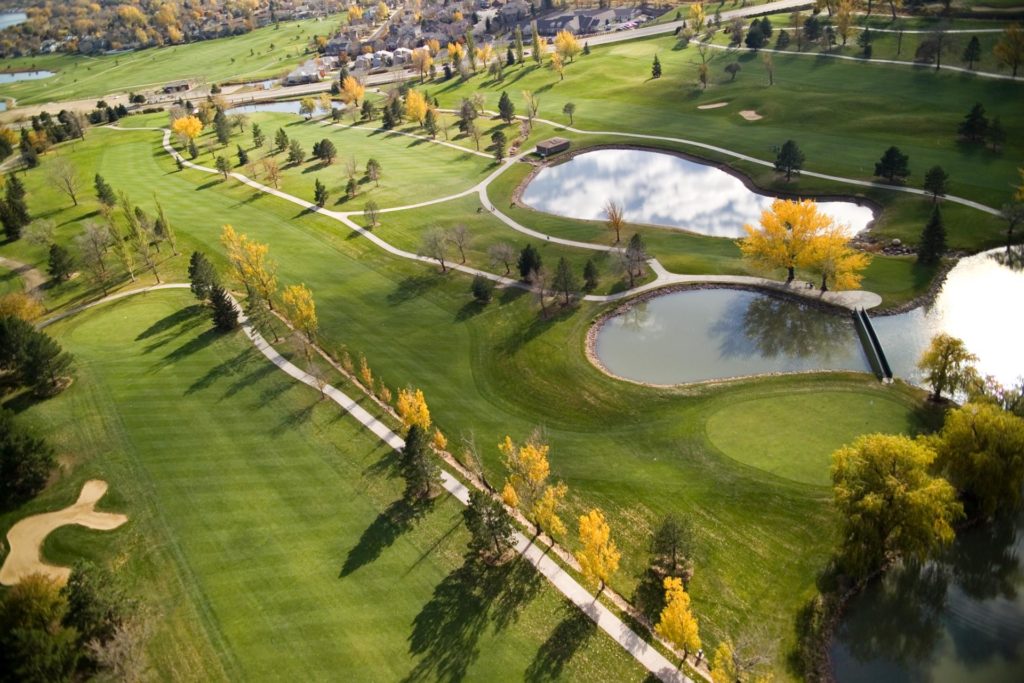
{"points": [[677, 624], [412, 408], [456, 53], [249, 258], [415, 106], [422, 60], [355, 12], [21, 305], [526, 486], [352, 90], [187, 127], [301, 309], [484, 54], [787, 235], [558, 65], [598, 558], [697, 16], [836, 261], [567, 45]]}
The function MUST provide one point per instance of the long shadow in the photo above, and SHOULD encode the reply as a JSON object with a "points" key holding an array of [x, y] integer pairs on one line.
{"points": [[560, 647], [446, 631], [381, 534], [412, 287], [193, 345], [470, 310], [525, 333], [168, 322], [295, 418], [229, 367]]}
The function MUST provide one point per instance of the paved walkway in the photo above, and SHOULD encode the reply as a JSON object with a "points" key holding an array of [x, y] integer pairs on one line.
{"points": [[649, 657], [34, 278]]}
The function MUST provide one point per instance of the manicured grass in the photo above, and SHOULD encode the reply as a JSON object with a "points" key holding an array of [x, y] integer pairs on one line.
{"points": [[263, 53], [10, 282], [265, 530], [806, 428]]}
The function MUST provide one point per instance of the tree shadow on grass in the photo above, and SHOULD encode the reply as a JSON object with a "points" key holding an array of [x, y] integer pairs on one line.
{"points": [[470, 310], [231, 366], [193, 345], [187, 314], [527, 332], [213, 183], [412, 287], [560, 647], [382, 533], [446, 631], [295, 418]]}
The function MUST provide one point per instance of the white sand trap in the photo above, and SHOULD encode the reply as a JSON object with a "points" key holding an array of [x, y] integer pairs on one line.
{"points": [[713, 105], [27, 536], [750, 115]]}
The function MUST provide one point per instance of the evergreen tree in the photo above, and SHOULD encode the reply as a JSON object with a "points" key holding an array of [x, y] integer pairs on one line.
{"points": [[565, 281], [790, 159], [974, 127], [893, 165], [482, 289], [755, 38], [935, 181], [25, 462], [490, 527], [590, 275], [972, 52], [202, 276], [320, 193], [281, 140], [933, 239], [257, 136], [351, 188], [104, 192], [388, 119], [222, 127], [60, 263], [529, 262], [327, 151], [296, 155], [506, 108], [656, 68], [14, 211], [243, 156], [368, 111], [586, 48], [415, 464], [45, 364], [430, 123], [225, 315], [193, 151]]}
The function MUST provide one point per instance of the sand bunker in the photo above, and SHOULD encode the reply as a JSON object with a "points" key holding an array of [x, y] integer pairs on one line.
{"points": [[750, 115], [27, 536], [713, 105]]}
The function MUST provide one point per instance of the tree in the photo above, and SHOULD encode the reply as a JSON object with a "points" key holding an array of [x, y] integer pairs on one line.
{"points": [[415, 106], [769, 67], [893, 165], [697, 16], [614, 218], [890, 505], [532, 106], [529, 262], [460, 237], [97, 605], [1013, 214], [280, 140], [35, 645], [972, 53], [319, 193], [374, 171], [569, 110], [272, 171], [536, 51], [565, 282], [938, 43], [732, 69], [656, 68], [786, 235], [633, 258], [257, 136], [491, 530], [933, 239], [61, 263], [498, 141], [104, 192], [671, 542], [418, 470], [46, 366], [368, 112], [222, 127], [434, 245], [243, 156], [979, 451], [506, 108], [202, 276], [974, 127], [92, 246], [702, 75], [832, 257], [567, 45], [598, 556], [844, 19], [789, 160], [590, 275], [26, 461], [300, 309], [526, 486], [412, 409], [14, 210], [482, 289], [422, 61], [296, 155], [503, 253], [1009, 51], [64, 176], [676, 624], [307, 107], [225, 315], [252, 267], [948, 366], [187, 127], [370, 212], [224, 166], [936, 181], [519, 44], [430, 123]]}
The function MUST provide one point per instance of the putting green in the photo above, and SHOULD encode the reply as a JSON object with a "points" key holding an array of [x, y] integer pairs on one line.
{"points": [[793, 435]]}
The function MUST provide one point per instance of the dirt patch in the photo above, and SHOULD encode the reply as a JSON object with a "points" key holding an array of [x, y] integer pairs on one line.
{"points": [[27, 536], [713, 105], [751, 115]]}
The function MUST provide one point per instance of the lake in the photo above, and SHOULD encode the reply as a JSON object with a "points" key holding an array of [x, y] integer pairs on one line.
{"points": [[661, 189], [12, 76]]}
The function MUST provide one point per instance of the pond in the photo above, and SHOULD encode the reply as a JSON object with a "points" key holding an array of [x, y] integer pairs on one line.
{"points": [[960, 618], [707, 334], [289, 107], [12, 76], [12, 19], [661, 189]]}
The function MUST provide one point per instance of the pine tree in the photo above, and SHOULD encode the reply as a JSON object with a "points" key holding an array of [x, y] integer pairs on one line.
{"points": [[257, 136], [490, 526], [104, 192], [14, 211], [60, 262], [893, 165], [974, 127], [225, 315], [243, 156], [656, 68], [319, 193], [972, 52], [45, 364], [933, 239], [281, 140], [529, 262], [482, 288], [590, 275], [790, 159], [936, 181], [415, 464], [202, 276], [565, 281], [506, 108]]}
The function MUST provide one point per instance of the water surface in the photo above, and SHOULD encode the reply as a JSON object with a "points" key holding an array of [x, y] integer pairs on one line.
{"points": [[661, 189], [12, 19], [289, 107], [12, 76]]}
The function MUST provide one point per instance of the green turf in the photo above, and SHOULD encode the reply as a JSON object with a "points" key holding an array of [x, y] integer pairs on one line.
{"points": [[10, 282], [265, 532], [238, 58], [799, 445]]}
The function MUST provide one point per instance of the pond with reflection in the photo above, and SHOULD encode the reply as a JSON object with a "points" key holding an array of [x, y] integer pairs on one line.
{"points": [[12, 76], [661, 189]]}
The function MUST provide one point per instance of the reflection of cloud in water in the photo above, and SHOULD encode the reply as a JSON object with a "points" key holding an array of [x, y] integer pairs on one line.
{"points": [[660, 189], [775, 327]]}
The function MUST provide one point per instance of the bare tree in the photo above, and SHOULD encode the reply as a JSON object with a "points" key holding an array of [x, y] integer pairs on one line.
{"points": [[540, 281], [351, 167], [460, 237], [64, 176], [503, 253], [39, 232], [124, 655], [435, 245], [615, 219], [474, 132], [371, 212], [92, 248], [272, 171], [532, 105]]}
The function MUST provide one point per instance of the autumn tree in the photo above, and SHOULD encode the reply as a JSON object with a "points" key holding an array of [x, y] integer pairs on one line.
{"points": [[415, 106], [789, 159], [786, 236], [307, 106], [422, 60], [890, 505], [676, 624], [187, 127], [526, 487], [300, 310], [614, 218], [836, 261], [567, 45], [558, 65], [1009, 51], [491, 530], [412, 409], [948, 366], [598, 556], [251, 264]]}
